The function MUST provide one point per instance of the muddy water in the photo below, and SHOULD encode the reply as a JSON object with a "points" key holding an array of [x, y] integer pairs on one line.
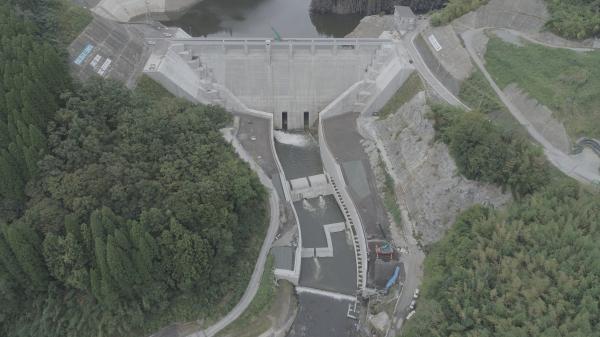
{"points": [[261, 18]]}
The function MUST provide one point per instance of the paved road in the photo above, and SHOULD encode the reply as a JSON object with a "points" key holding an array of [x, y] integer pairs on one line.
{"points": [[262, 258], [426, 73], [569, 165]]}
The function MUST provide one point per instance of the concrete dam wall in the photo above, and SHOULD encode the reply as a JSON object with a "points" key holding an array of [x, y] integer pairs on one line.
{"points": [[293, 79], [369, 7]]}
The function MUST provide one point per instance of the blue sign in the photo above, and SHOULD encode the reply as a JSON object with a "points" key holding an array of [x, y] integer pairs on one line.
{"points": [[84, 54]]}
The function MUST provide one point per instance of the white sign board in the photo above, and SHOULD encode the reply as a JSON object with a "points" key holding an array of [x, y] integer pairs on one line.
{"points": [[95, 61], [434, 42], [104, 67]]}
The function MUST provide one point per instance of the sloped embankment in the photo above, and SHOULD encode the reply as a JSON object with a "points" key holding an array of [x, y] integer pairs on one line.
{"points": [[426, 176]]}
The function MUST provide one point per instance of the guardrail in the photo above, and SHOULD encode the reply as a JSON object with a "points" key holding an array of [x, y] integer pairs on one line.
{"points": [[589, 142], [284, 42]]}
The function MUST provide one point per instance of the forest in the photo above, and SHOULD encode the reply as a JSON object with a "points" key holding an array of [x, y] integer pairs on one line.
{"points": [[487, 152], [574, 19], [122, 211], [455, 9], [528, 270]]}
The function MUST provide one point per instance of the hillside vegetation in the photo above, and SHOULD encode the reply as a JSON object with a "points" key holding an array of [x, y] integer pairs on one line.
{"points": [[487, 152], [528, 270], [574, 19], [455, 9], [531, 270], [121, 212], [566, 81]]}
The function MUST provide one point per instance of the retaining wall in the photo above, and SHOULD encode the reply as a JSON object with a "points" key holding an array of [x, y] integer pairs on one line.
{"points": [[345, 103]]}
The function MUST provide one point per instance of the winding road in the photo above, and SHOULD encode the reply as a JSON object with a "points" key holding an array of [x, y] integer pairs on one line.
{"points": [[574, 167], [569, 165], [425, 72], [254, 283]]}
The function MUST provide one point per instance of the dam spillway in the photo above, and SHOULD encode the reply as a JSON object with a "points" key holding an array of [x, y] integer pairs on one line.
{"points": [[296, 84]]}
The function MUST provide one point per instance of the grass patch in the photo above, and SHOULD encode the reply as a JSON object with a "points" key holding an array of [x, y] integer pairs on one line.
{"points": [[566, 81], [477, 93], [255, 320], [72, 20], [407, 91], [148, 87], [389, 195], [455, 9]]}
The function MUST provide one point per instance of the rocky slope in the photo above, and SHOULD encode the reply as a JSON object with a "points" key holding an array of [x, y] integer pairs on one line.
{"points": [[426, 176], [369, 7]]}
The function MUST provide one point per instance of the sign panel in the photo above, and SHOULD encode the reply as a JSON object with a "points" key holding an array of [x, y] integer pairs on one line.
{"points": [[95, 61], [434, 42], [84, 54], [104, 68]]}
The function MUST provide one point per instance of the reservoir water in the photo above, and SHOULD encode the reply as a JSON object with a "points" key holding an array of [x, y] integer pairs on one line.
{"points": [[261, 18]]}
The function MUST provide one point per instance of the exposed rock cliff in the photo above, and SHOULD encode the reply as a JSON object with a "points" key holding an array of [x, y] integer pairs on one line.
{"points": [[369, 7]]}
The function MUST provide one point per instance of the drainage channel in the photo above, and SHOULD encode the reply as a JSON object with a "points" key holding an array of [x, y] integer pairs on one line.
{"points": [[328, 274]]}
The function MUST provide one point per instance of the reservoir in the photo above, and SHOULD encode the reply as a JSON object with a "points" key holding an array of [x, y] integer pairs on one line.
{"points": [[261, 18]]}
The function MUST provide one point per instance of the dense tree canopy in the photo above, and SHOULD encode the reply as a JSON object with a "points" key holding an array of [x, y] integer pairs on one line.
{"points": [[140, 208], [574, 19], [32, 76], [485, 151], [531, 270]]}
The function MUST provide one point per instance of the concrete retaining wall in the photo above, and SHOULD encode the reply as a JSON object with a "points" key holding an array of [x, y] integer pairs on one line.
{"points": [[386, 85], [344, 103], [176, 76]]}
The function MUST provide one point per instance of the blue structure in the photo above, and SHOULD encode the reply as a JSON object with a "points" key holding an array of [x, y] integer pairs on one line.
{"points": [[392, 279]]}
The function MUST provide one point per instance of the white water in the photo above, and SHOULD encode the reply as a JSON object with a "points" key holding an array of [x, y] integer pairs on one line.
{"points": [[307, 206], [322, 203], [294, 139], [317, 268], [336, 296]]}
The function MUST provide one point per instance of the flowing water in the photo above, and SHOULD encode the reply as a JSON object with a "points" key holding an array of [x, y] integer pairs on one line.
{"points": [[261, 18]]}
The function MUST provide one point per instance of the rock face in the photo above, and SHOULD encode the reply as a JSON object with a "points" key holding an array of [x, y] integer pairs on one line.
{"points": [[426, 175], [368, 7]]}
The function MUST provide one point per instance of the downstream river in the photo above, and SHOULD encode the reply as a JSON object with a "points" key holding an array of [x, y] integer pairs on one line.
{"points": [[261, 18]]}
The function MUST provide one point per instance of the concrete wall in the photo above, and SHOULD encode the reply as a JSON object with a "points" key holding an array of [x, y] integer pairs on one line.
{"points": [[389, 77], [342, 104], [176, 76], [281, 78], [125, 10]]}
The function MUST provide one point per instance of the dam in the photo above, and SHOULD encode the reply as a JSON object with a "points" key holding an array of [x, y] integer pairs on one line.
{"points": [[278, 86], [292, 79]]}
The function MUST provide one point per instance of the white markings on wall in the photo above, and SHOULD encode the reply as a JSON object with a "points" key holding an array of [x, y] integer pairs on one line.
{"points": [[104, 67], [84, 54], [434, 42], [95, 61]]}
